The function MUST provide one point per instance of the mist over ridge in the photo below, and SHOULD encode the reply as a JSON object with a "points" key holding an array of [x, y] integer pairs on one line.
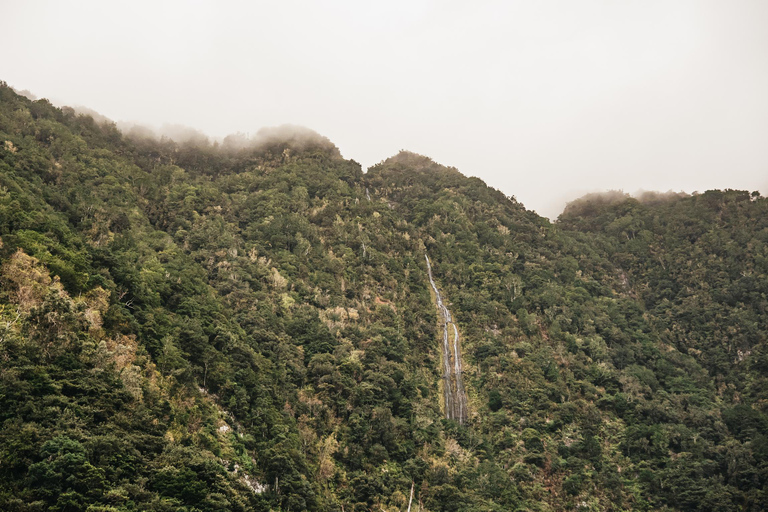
{"points": [[228, 327], [299, 136], [347, 256]]}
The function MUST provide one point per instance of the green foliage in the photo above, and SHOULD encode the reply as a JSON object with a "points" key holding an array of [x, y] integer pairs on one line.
{"points": [[234, 327]]}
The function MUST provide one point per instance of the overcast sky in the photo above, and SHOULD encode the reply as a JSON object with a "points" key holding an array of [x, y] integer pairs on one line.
{"points": [[545, 100]]}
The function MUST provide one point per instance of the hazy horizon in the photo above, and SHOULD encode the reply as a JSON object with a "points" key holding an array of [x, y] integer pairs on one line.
{"points": [[544, 101]]}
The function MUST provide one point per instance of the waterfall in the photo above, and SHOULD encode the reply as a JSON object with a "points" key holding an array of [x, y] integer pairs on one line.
{"points": [[453, 383]]}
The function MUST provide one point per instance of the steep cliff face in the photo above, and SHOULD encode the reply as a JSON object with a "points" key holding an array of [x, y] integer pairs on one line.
{"points": [[265, 327]]}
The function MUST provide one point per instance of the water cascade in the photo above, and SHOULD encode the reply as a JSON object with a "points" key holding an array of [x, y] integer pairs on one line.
{"points": [[453, 384]]}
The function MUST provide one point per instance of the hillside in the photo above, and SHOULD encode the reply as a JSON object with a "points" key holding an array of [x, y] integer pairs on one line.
{"points": [[252, 326]]}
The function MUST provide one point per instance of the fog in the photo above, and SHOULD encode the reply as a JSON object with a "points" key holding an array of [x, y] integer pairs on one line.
{"points": [[544, 100], [595, 199]]}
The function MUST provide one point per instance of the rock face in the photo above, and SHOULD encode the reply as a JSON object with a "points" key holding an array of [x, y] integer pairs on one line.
{"points": [[453, 384]]}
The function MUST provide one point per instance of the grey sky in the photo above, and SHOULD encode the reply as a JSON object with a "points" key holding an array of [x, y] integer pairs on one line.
{"points": [[544, 100]]}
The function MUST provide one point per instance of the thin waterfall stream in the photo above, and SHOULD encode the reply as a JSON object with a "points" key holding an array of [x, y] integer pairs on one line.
{"points": [[453, 383]]}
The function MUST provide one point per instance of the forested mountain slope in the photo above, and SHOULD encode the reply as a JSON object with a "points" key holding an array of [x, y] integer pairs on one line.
{"points": [[252, 327]]}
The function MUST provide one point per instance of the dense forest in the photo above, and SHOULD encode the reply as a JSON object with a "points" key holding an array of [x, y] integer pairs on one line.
{"points": [[195, 326]]}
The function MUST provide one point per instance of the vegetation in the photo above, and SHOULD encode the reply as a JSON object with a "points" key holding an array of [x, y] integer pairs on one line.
{"points": [[250, 326]]}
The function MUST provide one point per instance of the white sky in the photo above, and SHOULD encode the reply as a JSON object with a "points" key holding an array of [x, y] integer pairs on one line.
{"points": [[545, 100]]}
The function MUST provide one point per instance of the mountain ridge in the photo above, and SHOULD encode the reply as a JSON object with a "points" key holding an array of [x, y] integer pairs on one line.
{"points": [[194, 329]]}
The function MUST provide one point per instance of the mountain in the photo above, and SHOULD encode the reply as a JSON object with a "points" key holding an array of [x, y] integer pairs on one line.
{"points": [[259, 325]]}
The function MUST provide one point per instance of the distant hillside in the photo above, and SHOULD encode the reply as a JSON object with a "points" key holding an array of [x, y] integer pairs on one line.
{"points": [[251, 326]]}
